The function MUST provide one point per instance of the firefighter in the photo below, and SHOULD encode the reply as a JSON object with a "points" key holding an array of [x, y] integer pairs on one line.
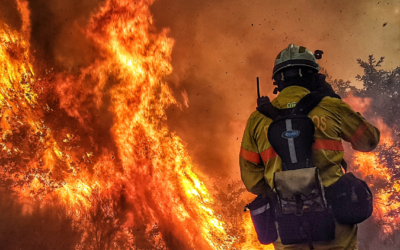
{"points": [[296, 74]]}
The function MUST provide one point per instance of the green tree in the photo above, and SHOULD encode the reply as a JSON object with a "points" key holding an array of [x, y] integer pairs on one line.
{"points": [[383, 86]]}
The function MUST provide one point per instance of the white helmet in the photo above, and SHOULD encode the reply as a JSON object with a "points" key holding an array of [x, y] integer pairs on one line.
{"points": [[295, 55]]}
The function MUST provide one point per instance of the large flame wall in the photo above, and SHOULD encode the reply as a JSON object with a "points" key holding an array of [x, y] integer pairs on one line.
{"points": [[96, 138]]}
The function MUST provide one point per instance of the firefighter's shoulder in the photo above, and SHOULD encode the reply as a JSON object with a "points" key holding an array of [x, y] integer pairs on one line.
{"points": [[331, 101], [256, 116]]}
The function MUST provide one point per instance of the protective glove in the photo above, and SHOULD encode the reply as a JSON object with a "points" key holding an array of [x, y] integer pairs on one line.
{"points": [[262, 101]]}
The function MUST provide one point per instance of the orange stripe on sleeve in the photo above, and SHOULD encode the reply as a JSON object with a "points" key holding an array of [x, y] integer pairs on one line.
{"points": [[328, 144], [250, 156], [359, 133], [268, 154]]}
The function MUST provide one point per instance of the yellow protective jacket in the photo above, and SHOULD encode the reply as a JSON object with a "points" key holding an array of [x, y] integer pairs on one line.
{"points": [[334, 120]]}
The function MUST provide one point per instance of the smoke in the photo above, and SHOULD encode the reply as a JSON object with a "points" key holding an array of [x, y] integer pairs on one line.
{"points": [[57, 32], [10, 14], [222, 46]]}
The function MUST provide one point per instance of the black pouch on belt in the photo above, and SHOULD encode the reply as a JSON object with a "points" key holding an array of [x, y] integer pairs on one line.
{"points": [[263, 217], [350, 199]]}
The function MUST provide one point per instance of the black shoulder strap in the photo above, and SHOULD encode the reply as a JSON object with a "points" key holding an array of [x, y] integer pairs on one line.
{"points": [[269, 111], [307, 103], [303, 107]]}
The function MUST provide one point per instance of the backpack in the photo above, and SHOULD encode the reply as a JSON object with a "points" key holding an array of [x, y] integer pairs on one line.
{"points": [[302, 212]]}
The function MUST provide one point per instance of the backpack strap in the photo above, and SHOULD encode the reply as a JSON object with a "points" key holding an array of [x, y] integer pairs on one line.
{"points": [[269, 110], [272, 112], [307, 103], [303, 107]]}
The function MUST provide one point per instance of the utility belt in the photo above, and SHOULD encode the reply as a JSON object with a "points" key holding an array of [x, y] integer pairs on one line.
{"points": [[304, 211]]}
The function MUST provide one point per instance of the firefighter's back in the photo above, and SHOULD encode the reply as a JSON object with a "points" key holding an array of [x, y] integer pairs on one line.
{"points": [[296, 74], [327, 157]]}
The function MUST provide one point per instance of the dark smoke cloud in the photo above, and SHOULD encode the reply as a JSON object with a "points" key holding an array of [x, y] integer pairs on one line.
{"points": [[10, 15], [56, 34]]}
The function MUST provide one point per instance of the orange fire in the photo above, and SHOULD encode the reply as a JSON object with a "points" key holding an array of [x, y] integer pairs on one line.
{"points": [[60, 151], [251, 241], [96, 141]]}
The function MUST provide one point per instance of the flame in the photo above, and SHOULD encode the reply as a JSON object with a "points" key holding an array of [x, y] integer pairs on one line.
{"points": [[97, 141], [250, 235], [145, 161]]}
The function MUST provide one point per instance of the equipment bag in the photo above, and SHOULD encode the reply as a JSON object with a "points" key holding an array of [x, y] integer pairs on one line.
{"points": [[302, 213], [262, 215], [351, 200]]}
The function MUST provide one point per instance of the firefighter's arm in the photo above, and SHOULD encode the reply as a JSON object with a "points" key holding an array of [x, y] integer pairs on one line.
{"points": [[251, 166], [356, 130]]}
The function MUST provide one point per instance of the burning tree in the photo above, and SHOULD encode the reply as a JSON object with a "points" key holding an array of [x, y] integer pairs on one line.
{"points": [[96, 139]]}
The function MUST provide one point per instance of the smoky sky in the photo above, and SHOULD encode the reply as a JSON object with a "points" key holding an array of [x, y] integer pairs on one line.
{"points": [[56, 32], [222, 46], [10, 14]]}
